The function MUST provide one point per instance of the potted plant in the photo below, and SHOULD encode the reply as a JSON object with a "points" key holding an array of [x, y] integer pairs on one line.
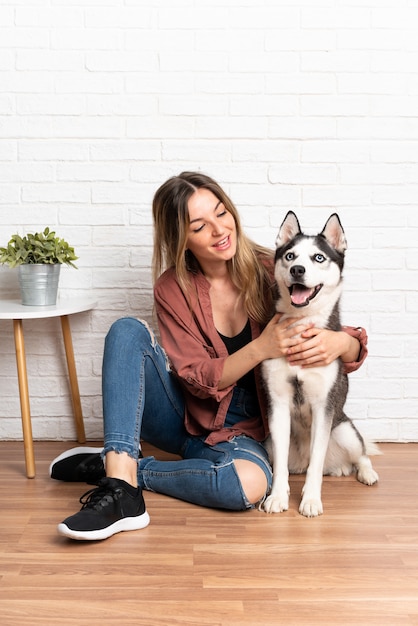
{"points": [[39, 257]]}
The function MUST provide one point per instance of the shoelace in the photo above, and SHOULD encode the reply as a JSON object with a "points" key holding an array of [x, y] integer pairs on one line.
{"points": [[100, 496]]}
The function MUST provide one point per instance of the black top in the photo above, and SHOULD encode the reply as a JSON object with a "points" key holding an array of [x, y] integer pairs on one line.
{"points": [[235, 343]]}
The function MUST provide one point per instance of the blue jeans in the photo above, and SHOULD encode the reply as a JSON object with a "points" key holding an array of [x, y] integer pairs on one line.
{"points": [[143, 400]]}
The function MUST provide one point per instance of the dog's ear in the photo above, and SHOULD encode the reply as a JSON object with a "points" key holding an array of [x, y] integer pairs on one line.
{"points": [[334, 233], [289, 229]]}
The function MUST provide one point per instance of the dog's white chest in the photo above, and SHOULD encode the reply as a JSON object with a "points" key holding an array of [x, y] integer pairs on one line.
{"points": [[283, 379]]}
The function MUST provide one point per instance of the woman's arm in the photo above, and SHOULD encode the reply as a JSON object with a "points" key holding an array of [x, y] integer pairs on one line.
{"points": [[324, 346], [307, 347], [272, 343]]}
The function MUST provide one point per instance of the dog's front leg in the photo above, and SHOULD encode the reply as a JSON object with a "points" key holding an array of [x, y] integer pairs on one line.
{"points": [[311, 504], [278, 500]]}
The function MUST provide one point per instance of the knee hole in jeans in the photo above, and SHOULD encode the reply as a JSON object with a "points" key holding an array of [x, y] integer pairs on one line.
{"points": [[253, 480]]}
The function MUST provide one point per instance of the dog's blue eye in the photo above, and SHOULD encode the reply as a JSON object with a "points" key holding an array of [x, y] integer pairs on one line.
{"points": [[289, 256], [319, 258]]}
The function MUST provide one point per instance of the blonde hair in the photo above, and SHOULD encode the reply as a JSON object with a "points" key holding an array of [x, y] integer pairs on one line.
{"points": [[247, 270]]}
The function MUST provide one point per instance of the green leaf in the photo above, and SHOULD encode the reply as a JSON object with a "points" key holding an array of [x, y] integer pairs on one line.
{"points": [[43, 247]]}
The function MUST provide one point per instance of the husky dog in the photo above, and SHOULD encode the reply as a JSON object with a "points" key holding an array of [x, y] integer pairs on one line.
{"points": [[309, 430]]}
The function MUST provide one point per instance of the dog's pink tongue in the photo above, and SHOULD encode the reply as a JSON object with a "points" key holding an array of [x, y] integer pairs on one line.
{"points": [[300, 294]]}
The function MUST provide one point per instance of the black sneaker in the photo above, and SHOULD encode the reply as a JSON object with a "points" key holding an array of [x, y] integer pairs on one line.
{"points": [[108, 509], [78, 465]]}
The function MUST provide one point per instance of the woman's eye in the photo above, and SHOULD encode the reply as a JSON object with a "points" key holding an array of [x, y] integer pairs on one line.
{"points": [[197, 230]]}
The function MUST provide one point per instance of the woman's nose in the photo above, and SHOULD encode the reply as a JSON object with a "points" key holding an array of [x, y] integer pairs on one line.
{"points": [[216, 229]]}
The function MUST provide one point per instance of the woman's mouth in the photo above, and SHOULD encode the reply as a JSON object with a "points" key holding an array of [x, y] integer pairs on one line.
{"points": [[223, 244]]}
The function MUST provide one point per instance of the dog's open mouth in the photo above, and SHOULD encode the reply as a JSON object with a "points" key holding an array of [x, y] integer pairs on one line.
{"points": [[301, 295]]}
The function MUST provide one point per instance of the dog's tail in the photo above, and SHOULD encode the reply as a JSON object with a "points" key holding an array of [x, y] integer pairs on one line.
{"points": [[372, 449]]}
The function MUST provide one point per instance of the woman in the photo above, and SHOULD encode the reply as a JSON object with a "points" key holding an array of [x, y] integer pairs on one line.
{"points": [[214, 298]]}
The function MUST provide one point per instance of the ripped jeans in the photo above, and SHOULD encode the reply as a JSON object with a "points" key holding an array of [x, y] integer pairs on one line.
{"points": [[143, 400]]}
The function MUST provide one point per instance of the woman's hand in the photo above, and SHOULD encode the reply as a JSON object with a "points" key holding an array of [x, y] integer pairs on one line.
{"points": [[279, 337], [320, 347]]}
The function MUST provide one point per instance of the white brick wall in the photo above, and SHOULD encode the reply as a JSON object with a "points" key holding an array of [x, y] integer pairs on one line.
{"points": [[310, 105]]}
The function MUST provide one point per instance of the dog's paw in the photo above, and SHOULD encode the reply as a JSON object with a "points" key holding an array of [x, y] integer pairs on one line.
{"points": [[365, 471], [367, 475], [276, 504], [311, 507]]}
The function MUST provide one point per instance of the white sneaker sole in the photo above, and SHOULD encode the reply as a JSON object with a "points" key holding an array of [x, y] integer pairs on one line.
{"points": [[74, 452], [122, 525]]}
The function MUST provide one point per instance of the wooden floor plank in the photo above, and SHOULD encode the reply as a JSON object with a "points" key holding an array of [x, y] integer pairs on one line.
{"points": [[356, 564]]}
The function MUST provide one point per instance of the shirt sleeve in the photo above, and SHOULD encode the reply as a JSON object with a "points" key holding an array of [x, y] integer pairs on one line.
{"points": [[193, 358], [360, 334]]}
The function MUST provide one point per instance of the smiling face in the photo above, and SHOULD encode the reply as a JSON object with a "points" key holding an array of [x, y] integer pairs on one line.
{"points": [[212, 235], [309, 267]]}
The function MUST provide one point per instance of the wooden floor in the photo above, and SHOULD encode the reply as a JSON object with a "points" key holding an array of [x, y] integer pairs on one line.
{"points": [[356, 564]]}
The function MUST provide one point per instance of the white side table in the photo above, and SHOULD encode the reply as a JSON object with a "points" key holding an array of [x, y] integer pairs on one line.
{"points": [[14, 310]]}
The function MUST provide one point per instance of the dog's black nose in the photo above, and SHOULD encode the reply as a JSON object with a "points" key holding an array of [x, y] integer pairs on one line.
{"points": [[297, 271]]}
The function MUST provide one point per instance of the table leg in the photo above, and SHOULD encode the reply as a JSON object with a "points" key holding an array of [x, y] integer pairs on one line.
{"points": [[72, 373], [24, 398]]}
